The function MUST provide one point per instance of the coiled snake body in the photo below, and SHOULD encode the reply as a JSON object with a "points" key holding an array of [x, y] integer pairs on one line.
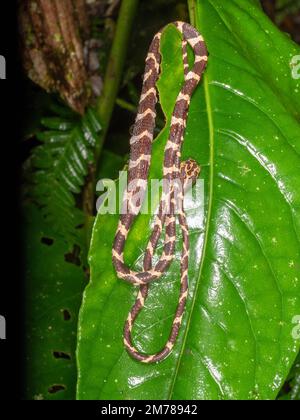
{"points": [[174, 169]]}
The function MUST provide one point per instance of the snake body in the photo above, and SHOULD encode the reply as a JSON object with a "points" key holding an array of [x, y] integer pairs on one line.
{"points": [[173, 169]]}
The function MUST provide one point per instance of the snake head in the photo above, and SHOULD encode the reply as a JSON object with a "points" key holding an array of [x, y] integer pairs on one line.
{"points": [[189, 170]]}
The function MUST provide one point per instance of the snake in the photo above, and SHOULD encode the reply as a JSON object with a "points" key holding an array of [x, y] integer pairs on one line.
{"points": [[171, 203]]}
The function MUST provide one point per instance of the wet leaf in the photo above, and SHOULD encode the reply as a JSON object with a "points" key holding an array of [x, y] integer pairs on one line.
{"points": [[236, 340]]}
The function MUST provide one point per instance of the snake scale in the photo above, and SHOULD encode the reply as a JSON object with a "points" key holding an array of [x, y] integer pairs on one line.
{"points": [[173, 169]]}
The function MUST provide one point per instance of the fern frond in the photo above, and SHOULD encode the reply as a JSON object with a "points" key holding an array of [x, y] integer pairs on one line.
{"points": [[60, 166]]}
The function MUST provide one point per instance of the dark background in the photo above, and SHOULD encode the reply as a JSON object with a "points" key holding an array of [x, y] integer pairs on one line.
{"points": [[12, 101]]}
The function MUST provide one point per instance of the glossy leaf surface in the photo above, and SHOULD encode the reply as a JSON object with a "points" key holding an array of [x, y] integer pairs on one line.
{"points": [[236, 341]]}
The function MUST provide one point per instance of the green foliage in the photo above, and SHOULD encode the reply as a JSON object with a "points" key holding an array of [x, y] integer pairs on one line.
{"points": [[53, 294], [243, 128], [60, 165], [55, 279], [55, 275]]}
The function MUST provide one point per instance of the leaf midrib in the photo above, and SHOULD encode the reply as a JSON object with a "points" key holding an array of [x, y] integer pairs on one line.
{"points": [[208, 219]]}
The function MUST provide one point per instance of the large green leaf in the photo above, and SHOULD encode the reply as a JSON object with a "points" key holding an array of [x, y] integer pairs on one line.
{"points": [[236, 340]]}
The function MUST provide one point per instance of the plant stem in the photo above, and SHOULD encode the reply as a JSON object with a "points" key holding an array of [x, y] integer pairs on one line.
{"points": [[115, 68], [192, 11]]}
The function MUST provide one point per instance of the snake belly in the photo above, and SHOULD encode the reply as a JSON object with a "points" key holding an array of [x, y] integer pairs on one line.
{"points": [[173, 169]]}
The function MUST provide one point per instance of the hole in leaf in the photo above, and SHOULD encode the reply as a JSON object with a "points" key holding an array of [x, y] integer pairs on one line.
{"points": [[56, 388], [73, 256], [66, 315], [61, 355], [47, 241]]}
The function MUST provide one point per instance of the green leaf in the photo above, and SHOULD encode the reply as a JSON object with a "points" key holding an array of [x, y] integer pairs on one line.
{"points": [[53, 295], [55, 279], [236, 340], [60, 166]]}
